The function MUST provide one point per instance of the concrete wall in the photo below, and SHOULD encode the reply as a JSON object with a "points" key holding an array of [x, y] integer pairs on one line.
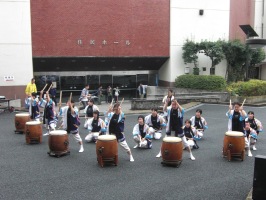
{"points": [[186, 23], [15, 47]]}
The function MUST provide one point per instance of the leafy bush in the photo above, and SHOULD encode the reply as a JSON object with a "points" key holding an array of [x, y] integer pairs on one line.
{"points": [[249, 88], [203, 82]]}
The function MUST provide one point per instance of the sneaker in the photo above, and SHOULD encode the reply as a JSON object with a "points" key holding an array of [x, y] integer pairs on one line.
{"points": [[131, 159], [136, 146], [192, 157], [249, 154], [81, 149], [45, 134], [159, 155], [254, 148]]}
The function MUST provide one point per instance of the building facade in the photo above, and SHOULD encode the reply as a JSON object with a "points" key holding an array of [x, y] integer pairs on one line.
{"points": [[117, 43]]}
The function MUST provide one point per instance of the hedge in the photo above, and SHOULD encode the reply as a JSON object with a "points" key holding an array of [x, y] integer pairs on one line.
{"points": [[203, 82], [249, 88]]}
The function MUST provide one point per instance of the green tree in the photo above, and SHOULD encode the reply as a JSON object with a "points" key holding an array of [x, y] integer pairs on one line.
{"points": [[235, 54], [240, 58], [190, 50], [257, 56], [213, 50]]}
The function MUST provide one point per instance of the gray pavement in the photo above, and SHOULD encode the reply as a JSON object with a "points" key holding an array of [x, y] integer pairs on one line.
{"points": [[27, 172]]}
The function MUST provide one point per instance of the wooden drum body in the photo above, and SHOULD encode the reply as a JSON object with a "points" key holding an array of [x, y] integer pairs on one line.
{"points": [[107, 149], [20, 121], [33, 132], [234, 145], [172, 151], [58, 143]]}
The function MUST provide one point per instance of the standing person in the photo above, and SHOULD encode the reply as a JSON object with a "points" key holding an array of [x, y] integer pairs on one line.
{"points": [[109, 94], [70, 121], [33, 104], [96, 127], [99, 95], [144, 90], [199, 123], [141, 134], [49, 114], [116, 125], [52, 93], [89, 109], [174, 125], [168, 98], [117, 92], [84, 96], [155, 123], [190, 133], [31, 87], [141, 91], [236, 117]]}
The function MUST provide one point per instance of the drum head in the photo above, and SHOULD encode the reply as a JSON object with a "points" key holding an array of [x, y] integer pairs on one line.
{"points": [[172, 139], [33, 123], [106, 137], [234, 133], [58, 132], [22, 114]]}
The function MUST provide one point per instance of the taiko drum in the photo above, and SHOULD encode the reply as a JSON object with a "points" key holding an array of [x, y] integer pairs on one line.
{"points": [[107, 149]]}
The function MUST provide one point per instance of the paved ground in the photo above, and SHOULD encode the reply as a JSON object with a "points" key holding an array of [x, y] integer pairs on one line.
{"points": [[27, 172]]}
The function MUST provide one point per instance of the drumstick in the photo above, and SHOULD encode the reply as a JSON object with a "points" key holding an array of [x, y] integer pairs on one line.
{"points": [[70, 96], [243, 102], [49, 87], [44, 87], [60, 99], [121, 102]]}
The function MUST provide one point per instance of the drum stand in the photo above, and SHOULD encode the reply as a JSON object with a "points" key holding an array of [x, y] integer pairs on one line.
{"points": [[58, 153], [19, 131], [174, 163], [229, 155]]}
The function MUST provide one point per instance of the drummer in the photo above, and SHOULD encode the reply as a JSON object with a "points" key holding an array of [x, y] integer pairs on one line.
{"points": [[33, 104], [199, 123], [250, 139], [116, 127], [190, 133], [96, 127], [174, 125], [236, 117], [156, 123], [254, 122], [70, 121], [141, 134], [49, 114], [89, 109]]}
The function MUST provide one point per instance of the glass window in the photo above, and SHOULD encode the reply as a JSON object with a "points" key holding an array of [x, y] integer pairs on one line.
{"points": [[55, 79], [106, 80], [127, 86], [142, 78], [72, 82], [40, 82], [212, 71], [93, 81], [153, 80]]}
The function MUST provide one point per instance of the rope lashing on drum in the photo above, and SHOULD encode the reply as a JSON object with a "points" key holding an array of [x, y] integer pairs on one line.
{"points": [[100, 150]]}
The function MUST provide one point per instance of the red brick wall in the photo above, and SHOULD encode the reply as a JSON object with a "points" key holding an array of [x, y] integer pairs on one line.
{"points": [[241, 13], [57, 25]]}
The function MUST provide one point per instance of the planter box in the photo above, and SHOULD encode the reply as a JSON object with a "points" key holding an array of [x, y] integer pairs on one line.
{"points": [[253, 99]]}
